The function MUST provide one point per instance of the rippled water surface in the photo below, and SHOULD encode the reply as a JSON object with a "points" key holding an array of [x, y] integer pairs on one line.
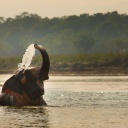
{"points": [[74, 102]]}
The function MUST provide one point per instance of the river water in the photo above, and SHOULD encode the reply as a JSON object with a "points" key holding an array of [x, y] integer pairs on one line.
{"points": [[74, 102]]}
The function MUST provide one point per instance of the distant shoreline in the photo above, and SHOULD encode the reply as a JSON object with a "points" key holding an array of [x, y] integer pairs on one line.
{"points": [[92, 72], [113, 71]]}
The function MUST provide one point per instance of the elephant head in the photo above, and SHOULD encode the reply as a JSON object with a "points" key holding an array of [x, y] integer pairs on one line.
{"points": [[29, 83]]}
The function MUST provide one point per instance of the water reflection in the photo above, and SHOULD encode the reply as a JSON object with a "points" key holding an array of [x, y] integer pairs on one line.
{"points": [[24, 117]]}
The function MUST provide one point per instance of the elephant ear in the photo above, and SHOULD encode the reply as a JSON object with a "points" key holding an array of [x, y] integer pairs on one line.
{"points": [[13, 84]]}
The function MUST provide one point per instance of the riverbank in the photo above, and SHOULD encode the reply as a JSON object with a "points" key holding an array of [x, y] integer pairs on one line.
{"points": [[97, 71], [100, 64], [93, 72]]}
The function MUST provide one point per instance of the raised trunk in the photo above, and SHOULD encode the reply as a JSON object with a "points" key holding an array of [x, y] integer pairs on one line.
{"points": [[44, 70]]}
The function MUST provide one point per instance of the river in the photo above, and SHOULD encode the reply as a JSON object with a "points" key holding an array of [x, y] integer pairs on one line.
{"points": [[74, 102]]}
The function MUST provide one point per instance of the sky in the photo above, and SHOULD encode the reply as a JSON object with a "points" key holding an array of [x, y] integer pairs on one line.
{"points": [[59, 8]]}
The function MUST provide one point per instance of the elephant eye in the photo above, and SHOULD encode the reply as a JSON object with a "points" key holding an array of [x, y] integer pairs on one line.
{"points": [[30, 76]]}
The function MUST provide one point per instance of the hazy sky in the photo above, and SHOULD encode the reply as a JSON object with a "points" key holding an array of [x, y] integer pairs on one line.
{"points": [[55, 8]]}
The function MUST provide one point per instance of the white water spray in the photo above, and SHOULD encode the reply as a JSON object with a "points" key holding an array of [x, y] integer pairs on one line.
{"points": [[27, 58]]}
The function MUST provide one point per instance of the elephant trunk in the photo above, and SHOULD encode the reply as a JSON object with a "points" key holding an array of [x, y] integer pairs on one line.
{"points": [[44, 70]]}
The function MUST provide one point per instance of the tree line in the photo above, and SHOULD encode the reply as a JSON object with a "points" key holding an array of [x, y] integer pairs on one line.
{"points": [[73, 34]]}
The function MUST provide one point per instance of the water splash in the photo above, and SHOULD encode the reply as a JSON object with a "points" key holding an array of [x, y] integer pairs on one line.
{"points": [[27, 58]]}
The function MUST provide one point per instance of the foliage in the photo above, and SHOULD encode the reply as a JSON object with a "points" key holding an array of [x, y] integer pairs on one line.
{"points": [[65, 35]]}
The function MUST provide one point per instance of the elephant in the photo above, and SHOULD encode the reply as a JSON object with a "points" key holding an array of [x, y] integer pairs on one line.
{"points": [[26, 88]]}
